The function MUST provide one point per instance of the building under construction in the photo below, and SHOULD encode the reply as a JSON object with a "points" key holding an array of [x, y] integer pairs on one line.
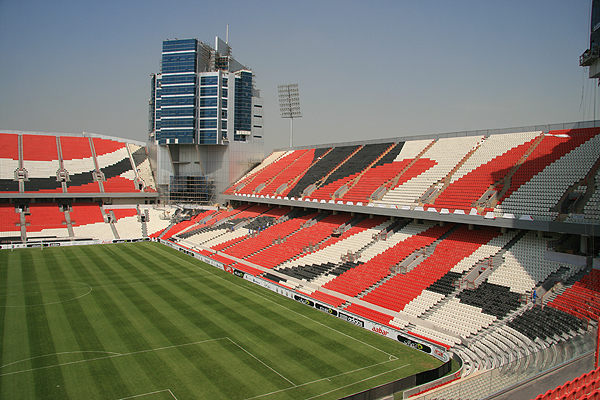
{"points": [[205, 121]]}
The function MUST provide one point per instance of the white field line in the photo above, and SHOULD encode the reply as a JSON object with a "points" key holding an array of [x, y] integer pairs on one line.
{"points": [[150, 393], [56, 290], [252, 355], [354, 383], [57, 354], [297, 313], [334, 376], [111, 356]]}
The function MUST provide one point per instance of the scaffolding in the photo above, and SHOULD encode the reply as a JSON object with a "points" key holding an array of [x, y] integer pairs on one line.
{"points": [[191, 189]]}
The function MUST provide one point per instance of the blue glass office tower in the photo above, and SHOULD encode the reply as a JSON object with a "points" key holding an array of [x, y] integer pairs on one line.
{"points": [[201, 96], [205, 120]]}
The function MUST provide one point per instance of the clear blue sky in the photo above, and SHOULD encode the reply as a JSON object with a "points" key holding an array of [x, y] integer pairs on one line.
{"points": [[375, 69]]}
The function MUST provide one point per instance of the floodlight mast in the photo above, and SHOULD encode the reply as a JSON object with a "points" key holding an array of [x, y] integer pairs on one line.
{"points": [[289, 105]]}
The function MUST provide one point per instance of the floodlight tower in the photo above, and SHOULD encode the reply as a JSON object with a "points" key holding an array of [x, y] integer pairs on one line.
{"points": [[289, 105]]}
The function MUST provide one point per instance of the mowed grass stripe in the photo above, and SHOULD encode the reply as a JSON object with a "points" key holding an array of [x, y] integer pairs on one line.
{"points": [[64, 342], [15, 343], [312, 362], [310, 349], [232, 339], [38, 331], [169, 321], [142, 328], [184, 304], [86, 335], [99, 313], [316, 353]]}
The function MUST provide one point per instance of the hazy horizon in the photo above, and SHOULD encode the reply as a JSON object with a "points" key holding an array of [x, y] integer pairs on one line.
{"points": [[371, 70]]}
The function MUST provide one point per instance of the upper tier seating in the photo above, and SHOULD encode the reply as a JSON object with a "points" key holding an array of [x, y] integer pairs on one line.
{"points": [[79, 163], [252, 174], [446, 153], [373, 178], [591, 209], [558, 162], [114, 162], [142, 164], [486, 167], [9, 162], [297, 168], [40, 159], [351, 169], [511, 175], [310, 175], [269, 172], [323, 166], [71, 164]]}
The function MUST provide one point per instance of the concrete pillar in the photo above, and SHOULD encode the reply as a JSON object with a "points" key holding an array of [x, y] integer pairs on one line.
{"points": [[471, 226], [335, 212], [503, 230], [540, 234], [583, 246], [442, 223]]}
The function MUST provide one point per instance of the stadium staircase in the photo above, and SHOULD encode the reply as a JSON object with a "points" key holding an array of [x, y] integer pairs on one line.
{"points": [[310, 190], [398, 179], [438, 187], [298, 165], [504, 184], [285, 188]]}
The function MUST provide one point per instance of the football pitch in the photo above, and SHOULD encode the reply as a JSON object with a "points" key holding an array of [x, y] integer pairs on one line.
{"points": [[143, 321]]}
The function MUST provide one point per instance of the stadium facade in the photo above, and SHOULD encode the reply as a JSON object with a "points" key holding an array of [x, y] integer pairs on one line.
{"points": [[205, 121]]}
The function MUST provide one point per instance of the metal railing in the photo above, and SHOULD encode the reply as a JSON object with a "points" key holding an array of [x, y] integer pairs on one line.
{"points": [[486, 383]]}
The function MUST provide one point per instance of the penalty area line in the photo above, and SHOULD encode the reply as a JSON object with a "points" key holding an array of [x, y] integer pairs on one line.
{"points": [[295, 312], [257, 359], [334, 376], [113, 355], [150, 393], [354, 383]]}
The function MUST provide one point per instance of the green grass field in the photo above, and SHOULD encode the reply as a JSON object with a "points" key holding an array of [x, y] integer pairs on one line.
{"points": [[143, 321]]}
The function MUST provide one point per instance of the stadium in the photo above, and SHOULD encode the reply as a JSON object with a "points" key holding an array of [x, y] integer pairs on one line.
{"points": [[460, 265]]}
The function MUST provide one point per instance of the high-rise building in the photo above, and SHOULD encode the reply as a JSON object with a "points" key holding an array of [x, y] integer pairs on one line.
{"points": [[205, 120]]}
